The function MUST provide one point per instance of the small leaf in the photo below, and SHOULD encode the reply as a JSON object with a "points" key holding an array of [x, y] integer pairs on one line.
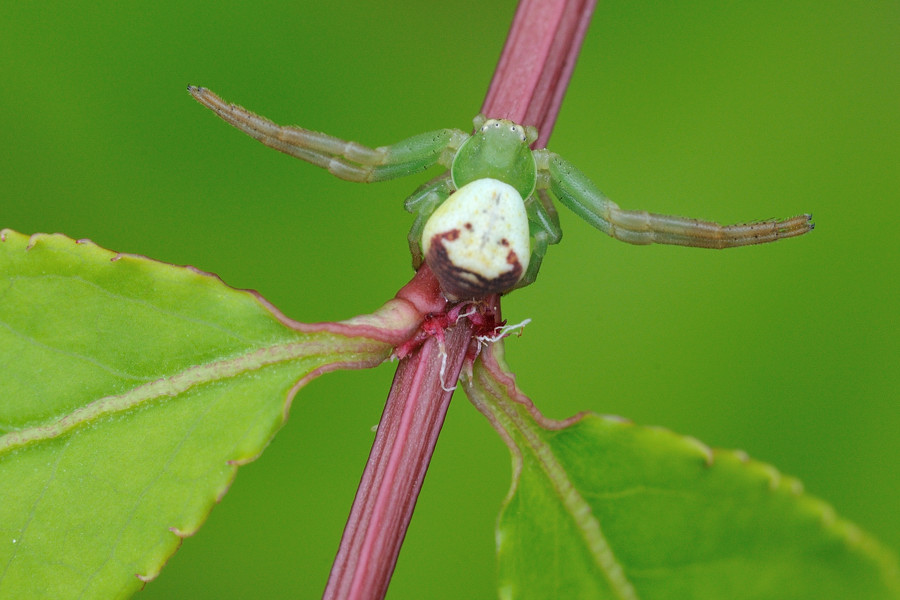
{"points": [[130, 392], [602, 508]]}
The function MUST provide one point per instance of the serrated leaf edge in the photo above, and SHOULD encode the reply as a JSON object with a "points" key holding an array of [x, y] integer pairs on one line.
{"points": [[501, 414]]}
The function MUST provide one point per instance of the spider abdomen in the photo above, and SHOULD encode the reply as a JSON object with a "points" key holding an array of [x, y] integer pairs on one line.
{"points": [[477, 241]]}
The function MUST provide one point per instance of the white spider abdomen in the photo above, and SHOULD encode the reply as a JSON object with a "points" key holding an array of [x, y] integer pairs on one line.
{"points": [[477, 241]]}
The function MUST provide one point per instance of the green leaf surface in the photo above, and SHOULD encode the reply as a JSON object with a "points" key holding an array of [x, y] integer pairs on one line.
{"points": [[130, 391], [602, 508]]}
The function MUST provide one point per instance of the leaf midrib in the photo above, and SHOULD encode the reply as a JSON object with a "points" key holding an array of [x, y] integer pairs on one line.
{"points": [[573, 503], [179, 383]]}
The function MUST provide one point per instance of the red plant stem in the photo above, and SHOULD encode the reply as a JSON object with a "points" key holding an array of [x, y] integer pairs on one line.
{"points": [[527, 87], [387, 494], [537, 62]]}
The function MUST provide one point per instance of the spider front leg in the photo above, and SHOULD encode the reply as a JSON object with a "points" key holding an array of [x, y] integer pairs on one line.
{"points": [[543, 225], [423, 202], [581, 196], [347, 160]]}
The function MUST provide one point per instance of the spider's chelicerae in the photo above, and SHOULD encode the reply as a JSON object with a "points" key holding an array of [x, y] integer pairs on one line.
{"points": [[484, 225]]}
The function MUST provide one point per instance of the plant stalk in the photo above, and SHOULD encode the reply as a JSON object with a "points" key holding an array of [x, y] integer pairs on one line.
{"points": [[407, 434], [528, 86], [537, 63]]}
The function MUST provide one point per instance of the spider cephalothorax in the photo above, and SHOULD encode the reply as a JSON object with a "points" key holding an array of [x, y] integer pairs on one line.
{"points": [[484, 226]]}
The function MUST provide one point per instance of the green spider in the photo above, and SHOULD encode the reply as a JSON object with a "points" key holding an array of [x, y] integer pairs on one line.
{"points": [[472, 226]]}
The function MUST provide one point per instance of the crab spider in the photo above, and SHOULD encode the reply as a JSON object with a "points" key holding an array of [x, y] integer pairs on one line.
{"points": [[485, 224]]}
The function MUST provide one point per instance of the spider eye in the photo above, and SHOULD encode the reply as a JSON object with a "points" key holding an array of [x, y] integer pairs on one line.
{"points": [[477, 242], [516, 129]]}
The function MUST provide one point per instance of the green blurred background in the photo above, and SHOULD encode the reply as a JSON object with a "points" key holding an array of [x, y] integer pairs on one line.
{"points": [[724, 111]]}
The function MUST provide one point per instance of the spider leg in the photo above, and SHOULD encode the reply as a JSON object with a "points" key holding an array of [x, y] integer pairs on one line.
{"points": [[423, 202], [581, 196], [539, 244], [542, 213], [347, 160], [543, 223]]}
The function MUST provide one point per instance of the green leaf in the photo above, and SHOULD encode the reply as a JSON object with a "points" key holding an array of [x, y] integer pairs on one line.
{"points": [[602, 508], [130, 392]]}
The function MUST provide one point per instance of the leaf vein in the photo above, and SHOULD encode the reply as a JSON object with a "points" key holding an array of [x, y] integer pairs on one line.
{"points": [[174, 385]]}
